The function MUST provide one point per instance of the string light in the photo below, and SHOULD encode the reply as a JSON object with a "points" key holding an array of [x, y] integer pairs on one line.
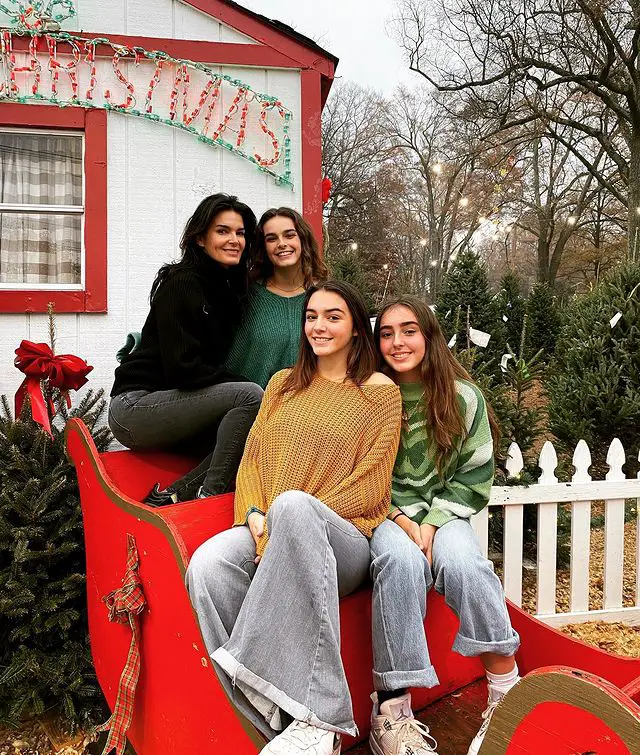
{"points": [[572, 220], [423, 242], [482, 219], [38, 12], [433, 263], [31, 21], [437, 168], [353, 246], [464, 201]]}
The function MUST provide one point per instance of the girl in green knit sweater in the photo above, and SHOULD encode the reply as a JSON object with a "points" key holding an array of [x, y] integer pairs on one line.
{"points": [[286, 262], [442, 476]]}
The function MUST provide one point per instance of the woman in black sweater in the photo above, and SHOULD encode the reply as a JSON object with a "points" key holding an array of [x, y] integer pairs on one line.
{"points": [[173, 392]]}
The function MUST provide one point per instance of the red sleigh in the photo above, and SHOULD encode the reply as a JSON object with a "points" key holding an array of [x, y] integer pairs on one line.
{"points": [[574, 699]]}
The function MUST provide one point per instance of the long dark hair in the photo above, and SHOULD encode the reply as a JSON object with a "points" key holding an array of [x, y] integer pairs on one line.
{"points": [[438, 373], [197, 227], [313, 268], [362, 358]]}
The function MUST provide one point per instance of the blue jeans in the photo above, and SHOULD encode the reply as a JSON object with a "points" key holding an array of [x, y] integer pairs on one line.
{"points": [[211, 423], [401, 580], [273, 632]]}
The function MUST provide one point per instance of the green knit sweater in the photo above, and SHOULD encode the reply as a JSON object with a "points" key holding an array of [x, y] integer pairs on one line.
{"points": [[267, 341], [417, 488]]}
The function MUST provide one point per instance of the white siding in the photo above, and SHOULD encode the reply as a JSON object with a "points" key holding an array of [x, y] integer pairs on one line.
{"points": [[156, 177], [170, 19]]}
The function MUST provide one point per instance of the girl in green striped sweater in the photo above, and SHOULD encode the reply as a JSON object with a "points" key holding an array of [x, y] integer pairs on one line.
{"points": [[286, 262], [442, 476]]}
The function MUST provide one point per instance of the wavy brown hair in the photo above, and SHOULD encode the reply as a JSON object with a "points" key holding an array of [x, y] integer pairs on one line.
{"points": [[362, 359], [313, 268], [438, 372]]}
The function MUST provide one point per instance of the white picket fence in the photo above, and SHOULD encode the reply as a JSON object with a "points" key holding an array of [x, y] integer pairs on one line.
{"points": [[548, 493]]}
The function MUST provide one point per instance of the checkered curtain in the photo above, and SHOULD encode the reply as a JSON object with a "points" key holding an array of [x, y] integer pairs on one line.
{"points": [[40, 169]]}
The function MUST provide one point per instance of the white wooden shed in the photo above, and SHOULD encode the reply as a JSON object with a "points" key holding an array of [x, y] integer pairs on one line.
{"points": [[116, 119]]}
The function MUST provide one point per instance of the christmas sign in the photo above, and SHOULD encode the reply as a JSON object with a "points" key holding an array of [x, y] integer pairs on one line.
{"points": [[67, 70]]}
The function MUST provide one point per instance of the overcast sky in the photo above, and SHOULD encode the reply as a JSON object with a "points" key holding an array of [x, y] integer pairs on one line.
{"points": [[354, 30]]}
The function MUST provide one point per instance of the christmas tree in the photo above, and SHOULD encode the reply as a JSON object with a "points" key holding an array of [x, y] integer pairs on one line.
{"points": [[510, 305], [465, 303], [45, 663], [543, 321], [594, 386]]}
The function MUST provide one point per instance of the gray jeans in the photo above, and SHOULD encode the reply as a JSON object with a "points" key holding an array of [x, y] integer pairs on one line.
{"points": [[274, 631], [212, 423], [401, 580]]}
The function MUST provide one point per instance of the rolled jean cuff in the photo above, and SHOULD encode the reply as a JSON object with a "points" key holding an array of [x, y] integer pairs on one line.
{"points": [[468, 647], [391, 680], [296, 710]]}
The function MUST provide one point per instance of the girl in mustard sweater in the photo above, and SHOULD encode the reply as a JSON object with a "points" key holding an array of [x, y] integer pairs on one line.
{"points": [[313, 483]]}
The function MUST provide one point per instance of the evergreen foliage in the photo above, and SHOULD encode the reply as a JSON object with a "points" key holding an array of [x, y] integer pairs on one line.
{"points": [[511, 304], [45, 663], [348, 266], [543, 321], [594, 385], [465, 297]]}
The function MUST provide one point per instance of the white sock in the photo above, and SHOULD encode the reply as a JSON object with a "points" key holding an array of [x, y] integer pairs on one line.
{"points": [[500, 684]]}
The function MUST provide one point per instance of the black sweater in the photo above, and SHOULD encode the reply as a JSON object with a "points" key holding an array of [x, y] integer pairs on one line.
{"points": [[187, 333]]}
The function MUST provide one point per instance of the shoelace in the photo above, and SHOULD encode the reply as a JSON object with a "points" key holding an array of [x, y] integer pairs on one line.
{"points": [[412, 732], [305, 734], [486, 715]]}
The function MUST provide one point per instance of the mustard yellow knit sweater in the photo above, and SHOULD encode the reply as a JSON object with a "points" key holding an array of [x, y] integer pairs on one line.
{"points": [[334, 441]]}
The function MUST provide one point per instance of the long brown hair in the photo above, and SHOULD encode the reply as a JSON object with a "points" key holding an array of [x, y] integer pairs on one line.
{"points": [[313, 268], [362, 358], [438, 373]]}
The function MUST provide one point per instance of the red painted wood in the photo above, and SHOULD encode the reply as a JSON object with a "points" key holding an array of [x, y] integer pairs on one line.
{"points": [[311, 134], [94, 123], [545, 646], [563, 729], [224, 53], [43, 116], [246, 22]]}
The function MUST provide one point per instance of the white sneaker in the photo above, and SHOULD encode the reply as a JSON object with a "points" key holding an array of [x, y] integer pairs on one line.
{"points": [[474, 747], [301, 737], [395, 731]]}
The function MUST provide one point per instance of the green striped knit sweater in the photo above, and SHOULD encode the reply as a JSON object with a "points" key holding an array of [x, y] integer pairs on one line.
{"points": [[417, 488], [267, 341]]}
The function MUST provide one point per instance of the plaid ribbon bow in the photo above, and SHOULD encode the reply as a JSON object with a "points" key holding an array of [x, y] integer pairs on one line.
{"points": [[124, 605]]}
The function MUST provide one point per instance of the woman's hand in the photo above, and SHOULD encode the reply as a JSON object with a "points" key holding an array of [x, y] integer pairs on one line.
{"points": [[427, 533], [255, 522], [410, 527]]}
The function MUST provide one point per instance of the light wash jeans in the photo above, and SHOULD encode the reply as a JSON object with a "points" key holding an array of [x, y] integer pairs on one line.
{"points": [[210, 422], [273, 631], [401, 580]]}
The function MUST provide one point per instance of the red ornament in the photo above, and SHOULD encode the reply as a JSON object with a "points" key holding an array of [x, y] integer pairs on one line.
{"points": [[326, 189], [65, 372]]}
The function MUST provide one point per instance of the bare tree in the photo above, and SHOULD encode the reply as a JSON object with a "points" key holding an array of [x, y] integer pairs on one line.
{"points": [[353, 141], [566, 63], [454, 180]]}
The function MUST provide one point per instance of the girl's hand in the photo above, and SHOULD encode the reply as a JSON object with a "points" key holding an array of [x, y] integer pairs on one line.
{"points": [[255, 522], [410, 527], [427, 533]]}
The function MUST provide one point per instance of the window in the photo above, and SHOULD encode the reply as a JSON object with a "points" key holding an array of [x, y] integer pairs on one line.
{"points": [[41, 209], [52, 209]]}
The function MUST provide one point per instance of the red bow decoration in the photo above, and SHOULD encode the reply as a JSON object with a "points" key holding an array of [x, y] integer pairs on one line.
{"points": [[65, 372], [125, 604], [326, 189]]}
